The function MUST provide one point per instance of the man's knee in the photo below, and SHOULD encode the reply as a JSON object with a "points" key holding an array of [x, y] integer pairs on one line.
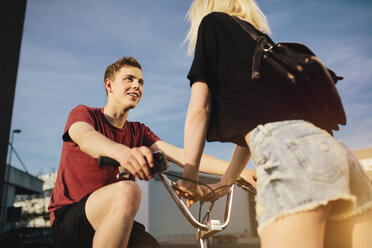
{"points": [[127, 196]]}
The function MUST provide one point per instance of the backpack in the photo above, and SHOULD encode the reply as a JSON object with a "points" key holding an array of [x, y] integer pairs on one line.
{"points": [[303, 78]]}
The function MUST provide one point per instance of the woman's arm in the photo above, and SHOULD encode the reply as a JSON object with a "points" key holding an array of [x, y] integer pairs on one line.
{"points": [[196, 128], [238, 162], [194, 139]]}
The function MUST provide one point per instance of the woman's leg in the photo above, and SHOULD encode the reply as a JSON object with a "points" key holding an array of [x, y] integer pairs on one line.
{"points": [[293, 171], [303, 229], [355, 232]]}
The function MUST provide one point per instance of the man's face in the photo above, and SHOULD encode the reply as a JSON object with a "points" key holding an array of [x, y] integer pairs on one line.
{"points": [[126, 88]]}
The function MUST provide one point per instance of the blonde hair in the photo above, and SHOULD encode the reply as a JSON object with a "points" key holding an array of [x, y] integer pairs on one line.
{"points": [[247, 10]]}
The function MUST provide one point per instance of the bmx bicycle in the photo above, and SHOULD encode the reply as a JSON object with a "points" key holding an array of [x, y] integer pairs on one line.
{"points": [[205, 229]]}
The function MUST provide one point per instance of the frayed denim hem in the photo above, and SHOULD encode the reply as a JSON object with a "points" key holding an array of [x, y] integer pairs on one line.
{"points": [[357, 211], [307, 207]]}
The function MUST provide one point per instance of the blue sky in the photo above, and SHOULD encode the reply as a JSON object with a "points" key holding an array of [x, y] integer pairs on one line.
{"points": [[68, 44]]}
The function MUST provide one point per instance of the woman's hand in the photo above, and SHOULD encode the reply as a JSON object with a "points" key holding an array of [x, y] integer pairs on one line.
{"points": [[188, 190], [219, 190], [248, 176]]}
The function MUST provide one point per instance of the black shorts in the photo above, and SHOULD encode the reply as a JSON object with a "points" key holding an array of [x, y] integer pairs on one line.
{"points": [[71, 228]]}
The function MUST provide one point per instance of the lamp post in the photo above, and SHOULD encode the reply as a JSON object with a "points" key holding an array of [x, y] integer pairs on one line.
{"points": [[11, 144], [6, 182]]}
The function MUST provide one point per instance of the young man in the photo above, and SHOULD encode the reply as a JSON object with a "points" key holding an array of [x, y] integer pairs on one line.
{"points": [[89, 206]]}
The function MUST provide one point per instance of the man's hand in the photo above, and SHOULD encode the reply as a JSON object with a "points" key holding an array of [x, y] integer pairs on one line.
{"points": [[137, 161]]}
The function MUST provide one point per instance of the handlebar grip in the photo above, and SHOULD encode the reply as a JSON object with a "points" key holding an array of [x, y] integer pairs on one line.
{"points": [[160, 162], [102, 160]]}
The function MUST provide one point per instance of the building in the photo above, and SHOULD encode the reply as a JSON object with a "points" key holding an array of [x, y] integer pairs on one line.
{"points": [[365, 158], [35, 206], [17, 182]]}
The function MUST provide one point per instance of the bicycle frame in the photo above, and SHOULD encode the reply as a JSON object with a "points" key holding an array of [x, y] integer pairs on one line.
{"points": [[204, 230]]}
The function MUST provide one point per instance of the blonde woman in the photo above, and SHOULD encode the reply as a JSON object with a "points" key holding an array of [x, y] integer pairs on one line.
{"points": [[305, 178]]}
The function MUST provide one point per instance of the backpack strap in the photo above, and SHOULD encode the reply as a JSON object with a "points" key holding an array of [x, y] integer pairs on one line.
{"points": [[248, 28], [262, 42]]}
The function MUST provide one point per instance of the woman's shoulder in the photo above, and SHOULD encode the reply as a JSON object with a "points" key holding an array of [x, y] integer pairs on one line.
{"points": [[223, 21], [217, 21], [216, 17]]}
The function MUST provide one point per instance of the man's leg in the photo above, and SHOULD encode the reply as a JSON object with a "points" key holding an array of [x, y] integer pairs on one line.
{"points": [[111, 211], [139, 238]]}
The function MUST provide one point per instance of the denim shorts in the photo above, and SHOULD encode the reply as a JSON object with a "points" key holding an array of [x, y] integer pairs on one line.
{"points": [[301, 167]]}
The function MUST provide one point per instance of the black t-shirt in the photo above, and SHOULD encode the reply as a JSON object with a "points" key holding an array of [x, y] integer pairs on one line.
{"points": [[223, 59]]}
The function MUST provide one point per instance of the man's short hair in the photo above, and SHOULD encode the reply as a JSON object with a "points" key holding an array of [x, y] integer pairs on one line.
{"points": [[112, 69]]}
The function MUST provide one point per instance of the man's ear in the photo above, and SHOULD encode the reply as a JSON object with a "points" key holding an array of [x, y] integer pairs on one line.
{"points": [[108, 85]]}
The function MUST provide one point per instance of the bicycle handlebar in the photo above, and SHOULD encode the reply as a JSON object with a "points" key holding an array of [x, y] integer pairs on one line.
{"points": [[208, 228], [103, 161], [160, 162]]}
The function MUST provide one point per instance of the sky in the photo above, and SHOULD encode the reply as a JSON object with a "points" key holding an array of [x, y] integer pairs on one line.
{"points": [[67, 45]]}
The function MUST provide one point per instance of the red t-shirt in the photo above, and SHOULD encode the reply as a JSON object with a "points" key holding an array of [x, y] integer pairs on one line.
{"points": [[78, 173]]}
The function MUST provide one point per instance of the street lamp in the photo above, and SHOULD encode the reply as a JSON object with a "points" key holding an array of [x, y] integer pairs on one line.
{"points": [[11, 144]]}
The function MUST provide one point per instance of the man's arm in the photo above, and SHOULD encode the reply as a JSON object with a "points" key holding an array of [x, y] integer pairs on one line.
{"points": [[96, 144], [209, 164]]}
